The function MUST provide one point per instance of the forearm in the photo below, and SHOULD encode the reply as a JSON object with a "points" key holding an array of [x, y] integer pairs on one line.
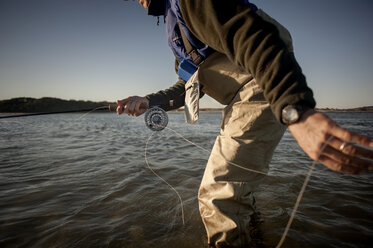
{"points": [[169, 99]]}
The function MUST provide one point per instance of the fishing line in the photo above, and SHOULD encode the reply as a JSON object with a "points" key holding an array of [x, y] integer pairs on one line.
{"points": [[177, 193], [204, 149], [158, 127], [90, 111], [297, 203], [157, 120], [85, 114], [300, 195]]}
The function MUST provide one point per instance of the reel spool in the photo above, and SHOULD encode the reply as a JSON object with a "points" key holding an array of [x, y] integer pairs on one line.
{"points": [[156, 119]]}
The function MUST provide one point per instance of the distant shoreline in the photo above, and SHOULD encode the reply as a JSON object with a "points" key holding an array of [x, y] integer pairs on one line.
{"points": [[360, 110], [49, 104], [202, 110]]}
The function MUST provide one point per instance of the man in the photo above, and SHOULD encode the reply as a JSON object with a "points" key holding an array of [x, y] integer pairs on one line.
{"points": [[245, 61]]}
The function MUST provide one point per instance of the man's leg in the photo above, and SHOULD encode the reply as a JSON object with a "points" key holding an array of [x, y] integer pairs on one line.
{"points": [[248, 138]]}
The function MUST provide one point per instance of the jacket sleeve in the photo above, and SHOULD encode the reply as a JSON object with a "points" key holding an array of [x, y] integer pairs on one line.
{"points": [[171, 98], [247, 40]]}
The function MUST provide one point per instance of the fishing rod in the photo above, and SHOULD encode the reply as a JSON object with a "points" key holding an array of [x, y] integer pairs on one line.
{"points": [[156, 119], [53, 112]]}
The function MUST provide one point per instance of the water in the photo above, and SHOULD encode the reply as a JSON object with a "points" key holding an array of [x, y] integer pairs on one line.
{"points": [[84, 183]]}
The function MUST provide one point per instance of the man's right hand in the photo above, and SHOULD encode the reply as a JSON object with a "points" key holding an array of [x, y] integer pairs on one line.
{"points": [[335, 147], [133, 105]]}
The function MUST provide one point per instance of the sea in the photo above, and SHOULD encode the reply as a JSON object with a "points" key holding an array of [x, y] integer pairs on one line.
{"points": [[68, 180]]}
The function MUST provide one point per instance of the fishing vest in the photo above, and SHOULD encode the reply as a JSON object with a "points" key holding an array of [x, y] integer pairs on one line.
{"points": [[219, 77]]}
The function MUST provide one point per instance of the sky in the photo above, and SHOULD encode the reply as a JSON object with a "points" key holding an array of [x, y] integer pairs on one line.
{"points": [[104, 50]]}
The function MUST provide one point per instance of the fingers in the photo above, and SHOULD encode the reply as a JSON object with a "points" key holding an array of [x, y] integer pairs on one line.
{"points": [[346, 135], [334, 165], [120, 110], [133, 106], [123, 101], [349, 163], [351, 148], [121, 104], [350, 152], [130, 108]]}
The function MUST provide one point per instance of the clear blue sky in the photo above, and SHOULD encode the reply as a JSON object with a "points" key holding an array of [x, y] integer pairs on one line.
{"points": [[109, 49]]}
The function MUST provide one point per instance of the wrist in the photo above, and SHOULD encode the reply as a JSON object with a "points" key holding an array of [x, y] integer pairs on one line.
{"points": [[292, 114]]}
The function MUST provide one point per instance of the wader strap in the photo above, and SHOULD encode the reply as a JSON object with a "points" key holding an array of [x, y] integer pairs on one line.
{"points": [[192, 52]]}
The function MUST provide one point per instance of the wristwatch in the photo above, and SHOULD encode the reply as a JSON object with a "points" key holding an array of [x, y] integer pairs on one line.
{"points": [[292, 113]]}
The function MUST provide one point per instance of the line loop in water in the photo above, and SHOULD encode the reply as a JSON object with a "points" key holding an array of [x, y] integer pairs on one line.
{"points": [[177, 193], [299, 198]]}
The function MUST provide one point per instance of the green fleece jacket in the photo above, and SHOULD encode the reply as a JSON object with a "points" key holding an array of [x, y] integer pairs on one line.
{"points": [[251, 43]]}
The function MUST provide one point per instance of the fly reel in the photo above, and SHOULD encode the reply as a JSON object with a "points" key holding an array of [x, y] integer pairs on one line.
{"points": [[156, 119]]}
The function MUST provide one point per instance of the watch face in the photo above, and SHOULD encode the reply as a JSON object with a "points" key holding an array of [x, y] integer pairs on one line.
{"points": [[290, 115]]}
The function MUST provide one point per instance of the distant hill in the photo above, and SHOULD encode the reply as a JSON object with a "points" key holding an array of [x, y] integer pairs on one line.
{"points": [[46, 104], [49, 104]]}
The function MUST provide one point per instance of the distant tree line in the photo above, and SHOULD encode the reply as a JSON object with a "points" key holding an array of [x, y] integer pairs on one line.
{"points": [[46, 104], [49, 104], [359, 109]]}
